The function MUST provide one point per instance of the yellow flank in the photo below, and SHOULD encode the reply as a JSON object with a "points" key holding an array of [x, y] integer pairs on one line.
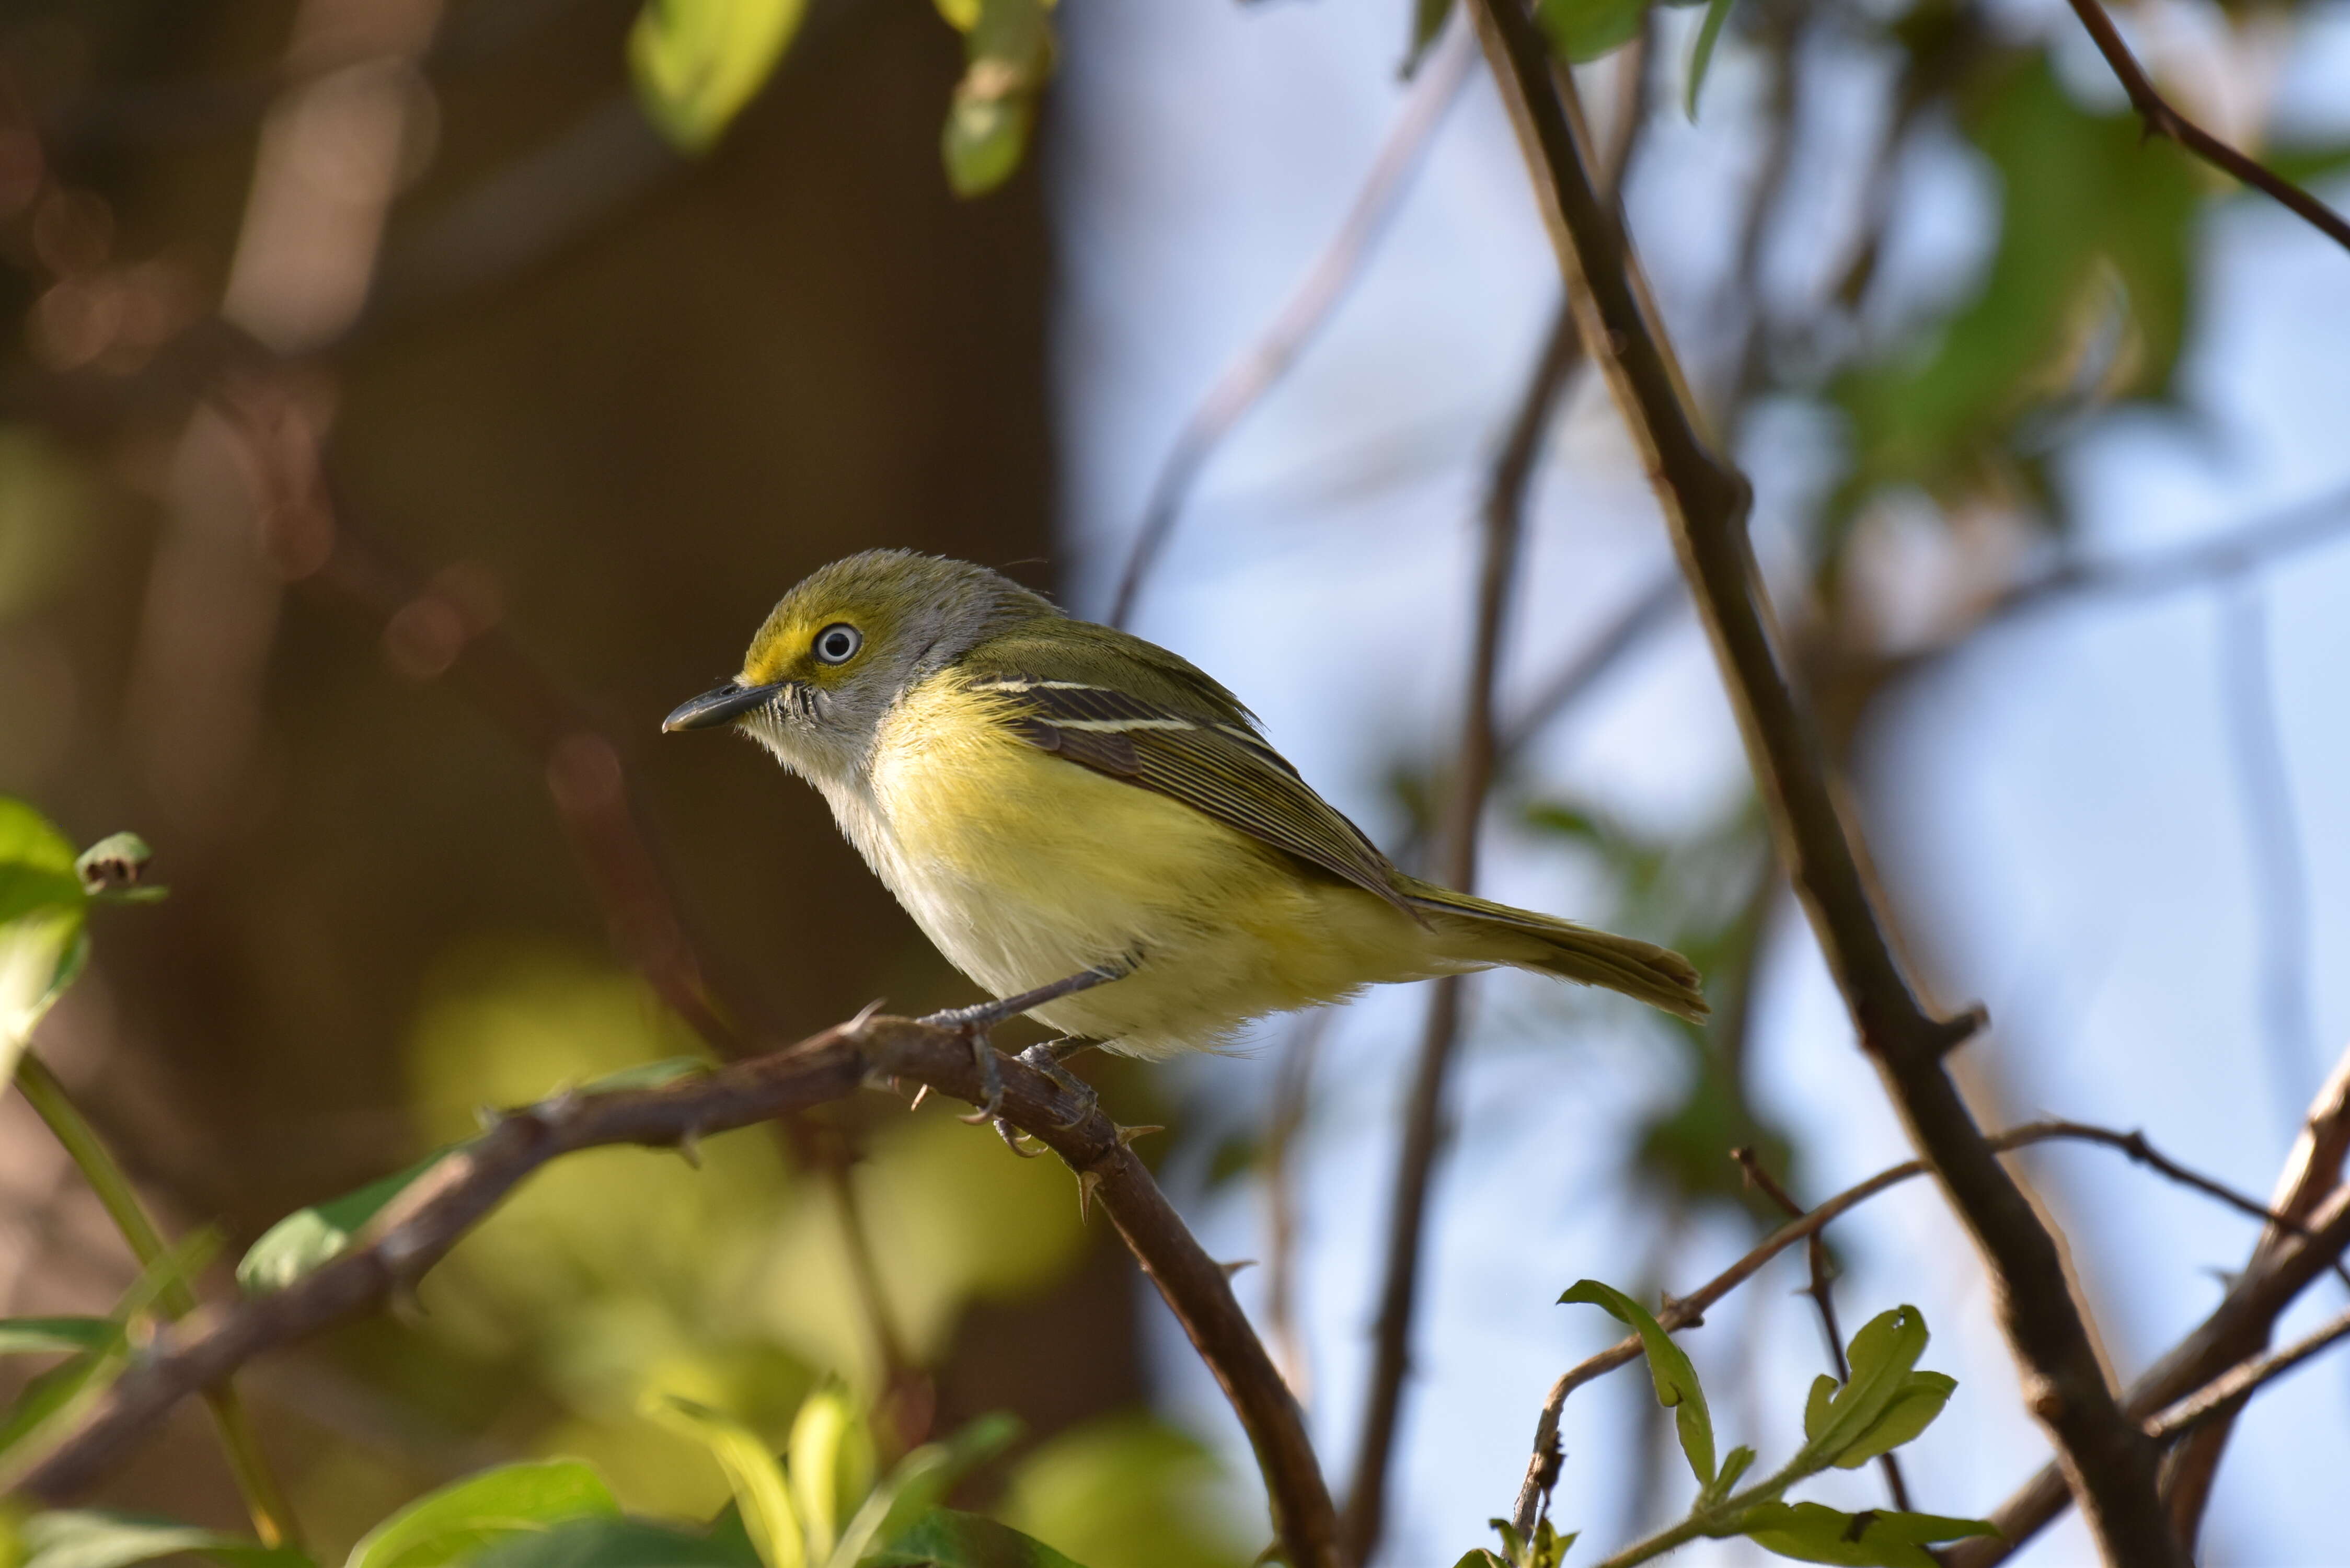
{"points": [[1024, 867]]}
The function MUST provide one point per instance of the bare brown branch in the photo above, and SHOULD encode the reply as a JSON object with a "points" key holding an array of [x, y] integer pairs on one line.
{"points": [[433, 1215], [2162, 120]]}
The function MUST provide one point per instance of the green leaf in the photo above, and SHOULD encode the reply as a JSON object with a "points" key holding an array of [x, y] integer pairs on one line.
{"points": [[2091, 216], [1735, 1464], [1882, 1357], [452, 1524], [42, 907], [697, 63], [947, 1539], [753, 1473], [1008, 45], [100, 1538], [829, 1462], [309, 1238], [1676, 1379], [618, 1543], [1480, 1557], [37, 1336], [1428, 19], [1813, 1532], [1816, 1407], [1708, 34], [917, 1484], [1581, 30], [1913, 1409]]}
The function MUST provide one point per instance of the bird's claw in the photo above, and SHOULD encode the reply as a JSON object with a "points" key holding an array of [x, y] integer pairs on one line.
{"points": [[1043, 1059]]}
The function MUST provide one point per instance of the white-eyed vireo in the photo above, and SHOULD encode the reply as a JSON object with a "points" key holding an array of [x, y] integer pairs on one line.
{"points": [[1046, 795]]}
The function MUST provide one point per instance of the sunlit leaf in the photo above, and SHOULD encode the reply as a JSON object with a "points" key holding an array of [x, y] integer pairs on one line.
{"points": [[697, 63], [37, 1335], [42, 906], [1669, 1366], [1008, 45], [950, 1539], [1708, 34], [753, 1473], [310, 1238], [452, 1524], [1581, 30], [99, 1538], [1813, 1532], [918, 1483], [829, 1463]]}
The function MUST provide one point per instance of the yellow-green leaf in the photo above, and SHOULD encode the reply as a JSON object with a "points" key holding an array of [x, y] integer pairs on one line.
{"points": [[753, 1473], [696, 63], [1669, 1366]]}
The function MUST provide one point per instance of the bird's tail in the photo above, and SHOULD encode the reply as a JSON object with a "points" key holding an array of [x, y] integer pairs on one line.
{"points": [[1479, 932]]}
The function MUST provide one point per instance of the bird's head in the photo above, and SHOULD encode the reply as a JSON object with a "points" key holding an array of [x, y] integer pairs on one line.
{"points": [[846, 643]]}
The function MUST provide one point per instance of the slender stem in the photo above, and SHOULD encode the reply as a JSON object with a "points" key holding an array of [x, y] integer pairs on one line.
{"points": [[265, 1500], [2162, 120]]}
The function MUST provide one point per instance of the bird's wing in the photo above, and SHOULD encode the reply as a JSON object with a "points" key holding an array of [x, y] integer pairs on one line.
{"points": [[1214, 763]]}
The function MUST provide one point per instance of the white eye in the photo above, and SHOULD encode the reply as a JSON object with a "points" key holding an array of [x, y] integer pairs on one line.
{"points": [[838, 643]]}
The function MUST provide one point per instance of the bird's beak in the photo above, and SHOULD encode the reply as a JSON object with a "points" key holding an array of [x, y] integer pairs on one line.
{"points": [[725, 704]]}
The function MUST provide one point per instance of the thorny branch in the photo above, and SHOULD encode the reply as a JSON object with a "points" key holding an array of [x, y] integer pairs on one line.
{"points": [[1267, 359], [2108, 1460], [1688, 1310], [428, 1220], [2161, 119]]}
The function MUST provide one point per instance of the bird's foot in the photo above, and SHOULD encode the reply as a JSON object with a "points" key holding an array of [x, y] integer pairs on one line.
{"points": [[973, 1024], [1047, 1056]]}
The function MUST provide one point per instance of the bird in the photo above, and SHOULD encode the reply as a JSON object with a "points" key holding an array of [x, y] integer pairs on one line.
{"points": [[1060, 804]]}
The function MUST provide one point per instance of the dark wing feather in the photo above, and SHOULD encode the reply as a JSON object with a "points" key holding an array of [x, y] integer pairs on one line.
{"points": [[1218, 767]]}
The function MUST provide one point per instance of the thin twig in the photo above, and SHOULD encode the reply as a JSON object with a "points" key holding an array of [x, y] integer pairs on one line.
{"points": [[1815, 1255], [2226, 1394], [2107, 1458], [2161, 119], [1248, 379], [2311, 1230], [1645, 614], [1688, 1310], [1424, 1109], [431, 1218]]}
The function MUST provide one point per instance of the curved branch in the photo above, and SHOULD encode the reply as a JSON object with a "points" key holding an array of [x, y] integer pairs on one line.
{"points": [[2161, 119], [456, 1195]]}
